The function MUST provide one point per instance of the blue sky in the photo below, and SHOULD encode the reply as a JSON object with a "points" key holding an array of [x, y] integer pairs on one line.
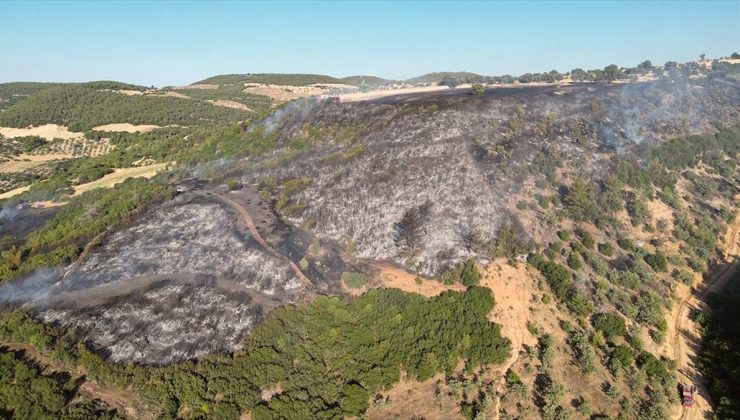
{"points": [[171, 43]]}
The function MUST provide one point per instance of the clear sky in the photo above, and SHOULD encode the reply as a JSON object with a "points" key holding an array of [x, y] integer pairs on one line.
{"points": [[171, 43]]}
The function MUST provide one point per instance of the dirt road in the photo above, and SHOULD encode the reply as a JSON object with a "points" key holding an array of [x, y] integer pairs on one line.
{"points": [[247, 219], [686, 337]]}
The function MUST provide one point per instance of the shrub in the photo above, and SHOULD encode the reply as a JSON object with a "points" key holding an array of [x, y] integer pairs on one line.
{"points": [[606, 249], [574, 261], [234, 184], [564, 235], [354, 280], [546, 345], [625, 278], [683, 276], [579, 303], [466, 273], [652, 366], [620, 358], [557, 276], [626, 244], [610, 323], [657, 261], [586, 238], [582, 350]]}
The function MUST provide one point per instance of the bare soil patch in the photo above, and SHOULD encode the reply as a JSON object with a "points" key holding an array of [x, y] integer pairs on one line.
{"points": [[230, 104], [14, 192], [413, 399], [120, 175], [284, 93], [375, 94], [393, 277], [201, 86], [126, 127], [47, 131], [512, 287]]}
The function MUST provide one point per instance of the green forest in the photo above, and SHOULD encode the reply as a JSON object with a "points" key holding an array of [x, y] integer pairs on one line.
{"points": [[325, 359], [82, 107], [27, 393]]}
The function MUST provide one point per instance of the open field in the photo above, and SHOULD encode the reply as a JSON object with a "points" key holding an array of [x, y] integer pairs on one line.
{"points": [[380, 93], [14, 192], [46, 131], [120, 175], [284, 93], [229, 104], [25, 162], [126, 128]]}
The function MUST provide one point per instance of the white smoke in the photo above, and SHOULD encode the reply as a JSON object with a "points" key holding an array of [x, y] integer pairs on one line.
{"points": [[35, 287], [297, 109], [8, 213]]}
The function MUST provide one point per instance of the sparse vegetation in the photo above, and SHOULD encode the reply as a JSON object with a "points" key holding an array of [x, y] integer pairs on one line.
{"points": [[354, 280]]}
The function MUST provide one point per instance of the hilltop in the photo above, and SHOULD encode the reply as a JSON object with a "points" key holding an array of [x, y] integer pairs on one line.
{"points": [[271, 78], [439, 77]]}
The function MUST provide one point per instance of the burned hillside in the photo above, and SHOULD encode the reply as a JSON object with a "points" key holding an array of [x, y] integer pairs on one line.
{"points": [[351, 172], [187, 278]]}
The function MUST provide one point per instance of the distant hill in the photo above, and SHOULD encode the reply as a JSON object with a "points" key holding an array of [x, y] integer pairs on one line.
{"points": [[14, 92], [370, 81], [270, 78], [458, 76], [84, 106]]}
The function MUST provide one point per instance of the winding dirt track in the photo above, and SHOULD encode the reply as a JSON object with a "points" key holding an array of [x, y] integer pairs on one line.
{"points": [[98, 295], [687, 339], [247, 219]]}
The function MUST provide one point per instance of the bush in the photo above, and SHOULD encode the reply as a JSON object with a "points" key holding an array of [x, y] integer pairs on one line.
{"points": [[606, 249], [466, 273], [234, 184], [683, 276], [657, 261], [546, 345], [579, 303], [620, 358], [354, 280], [564, 235], [653, 366], [610, 323], [557, 276], [470, 276], [582, 350], [586, 238], [574, 261]]}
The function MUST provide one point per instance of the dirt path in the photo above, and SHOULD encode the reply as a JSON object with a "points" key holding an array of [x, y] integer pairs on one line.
{"points": [[686, 335], [512, 288], [247, 219]]}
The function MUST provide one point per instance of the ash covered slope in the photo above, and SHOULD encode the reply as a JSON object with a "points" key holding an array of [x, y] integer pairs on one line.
{"points": [[422, 179], [185, 280]]}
